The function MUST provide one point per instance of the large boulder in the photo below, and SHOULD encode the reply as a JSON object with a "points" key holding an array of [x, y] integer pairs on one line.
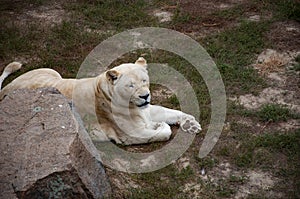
{"points": [[45, 150]]}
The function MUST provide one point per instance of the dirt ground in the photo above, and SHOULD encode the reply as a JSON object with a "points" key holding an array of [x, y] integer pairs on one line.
{"points": [[235, 168]]}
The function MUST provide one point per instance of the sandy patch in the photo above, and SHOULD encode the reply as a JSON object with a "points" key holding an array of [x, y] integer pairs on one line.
{"points": [[163, 16], [193, 189], [270, 96], [44, 15], [271, 60], [257, 181]]}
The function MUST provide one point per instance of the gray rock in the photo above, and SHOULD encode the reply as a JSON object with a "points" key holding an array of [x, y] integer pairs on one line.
{"points": [[45, 151]]}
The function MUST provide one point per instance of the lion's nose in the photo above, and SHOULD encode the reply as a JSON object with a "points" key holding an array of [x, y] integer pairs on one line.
{"points": [[145, 97]]}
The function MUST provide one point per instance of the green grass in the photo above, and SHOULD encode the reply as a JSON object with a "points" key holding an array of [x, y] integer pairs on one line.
{"points": [[274, 113], [256, 196], [285, 143], [271, 113], [225, 191], [66, 48], [281, 10], [181, 17], [296, 66], [226, 188], [62, 47], [12, 41], [288, 144], [237, 179], [154, 185], [284, 9], [207, 162], [234, 50], [112, 14], [173, 100], [237, 46], [244, 158], [278, 152], [8, 5], [231, 13]]}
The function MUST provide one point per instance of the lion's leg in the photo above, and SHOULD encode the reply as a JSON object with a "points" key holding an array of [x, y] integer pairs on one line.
{"points": [[103, 133], [157, 132], [162, 133], [170, 116], [162, 114], [110, 132]]}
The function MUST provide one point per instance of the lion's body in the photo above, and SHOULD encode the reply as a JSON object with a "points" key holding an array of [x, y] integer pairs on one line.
{"points": [[118, 100]]}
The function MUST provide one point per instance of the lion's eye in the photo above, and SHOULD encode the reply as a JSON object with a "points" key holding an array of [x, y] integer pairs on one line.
{"points": [[131, 86], [144, 81]]}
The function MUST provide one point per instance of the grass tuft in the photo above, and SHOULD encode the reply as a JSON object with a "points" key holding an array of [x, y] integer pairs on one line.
{"points": [[234, 50], [272, 113], [12, 41], [296, 66], [252, 149], [113, 14], [285, 9], [286, 143], [155, 185]]}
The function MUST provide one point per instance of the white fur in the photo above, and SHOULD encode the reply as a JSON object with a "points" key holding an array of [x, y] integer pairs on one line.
{"points": [[10, 68]]}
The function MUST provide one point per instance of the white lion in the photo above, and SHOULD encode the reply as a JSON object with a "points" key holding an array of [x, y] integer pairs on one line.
{"points": [[118, 99]]}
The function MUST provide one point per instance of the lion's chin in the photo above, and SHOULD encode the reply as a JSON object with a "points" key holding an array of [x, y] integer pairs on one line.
{"points": [[144, 105]]}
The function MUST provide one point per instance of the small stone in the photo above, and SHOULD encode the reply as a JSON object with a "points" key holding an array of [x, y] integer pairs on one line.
{"points": [[163, 16], [37, 109], [255, 18], [203, 171]]}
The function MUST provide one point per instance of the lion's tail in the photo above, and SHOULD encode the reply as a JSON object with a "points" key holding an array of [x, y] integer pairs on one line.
{"points": [[9, 69]]}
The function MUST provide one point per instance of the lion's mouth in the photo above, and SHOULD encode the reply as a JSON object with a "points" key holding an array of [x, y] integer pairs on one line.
{"points": [[144, 104]]}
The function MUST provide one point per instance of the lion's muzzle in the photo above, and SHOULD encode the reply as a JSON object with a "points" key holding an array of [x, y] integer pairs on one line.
{"points": [[145, 100]]}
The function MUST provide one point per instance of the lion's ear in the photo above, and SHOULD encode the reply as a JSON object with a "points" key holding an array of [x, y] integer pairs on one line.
{"points": [[141, 61], [112, 75]]}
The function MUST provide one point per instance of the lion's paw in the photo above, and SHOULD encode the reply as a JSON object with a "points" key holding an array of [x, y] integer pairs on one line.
{"points": [[190, 125]]}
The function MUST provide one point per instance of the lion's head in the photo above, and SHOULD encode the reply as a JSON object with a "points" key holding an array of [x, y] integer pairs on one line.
{"points": [[128, 84]]}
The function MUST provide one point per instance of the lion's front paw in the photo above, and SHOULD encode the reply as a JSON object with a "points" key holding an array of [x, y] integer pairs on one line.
{"points": [[190, 125]]}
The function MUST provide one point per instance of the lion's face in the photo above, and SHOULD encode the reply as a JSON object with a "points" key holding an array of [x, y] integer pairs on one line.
{"points": [[129, 84]]}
